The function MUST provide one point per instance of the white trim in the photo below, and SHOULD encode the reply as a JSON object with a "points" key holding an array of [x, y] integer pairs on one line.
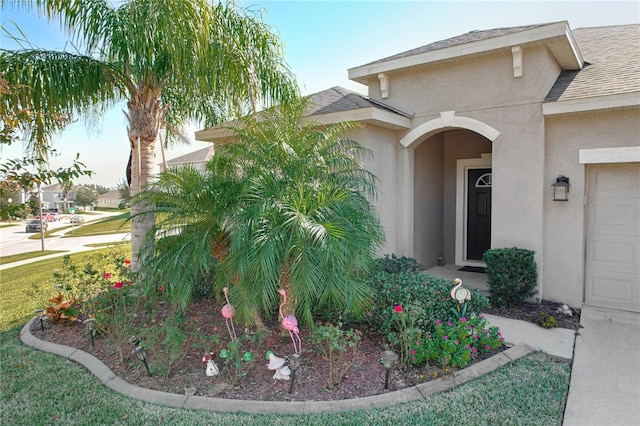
{"points": [[516, 52], [377, 116], [622, 100], [384, 85], [462, 170], [448, 119], [558, 35], [624, 154]]}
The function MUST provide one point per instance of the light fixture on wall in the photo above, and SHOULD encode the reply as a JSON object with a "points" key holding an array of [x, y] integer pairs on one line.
{"points": [[561, 189]]}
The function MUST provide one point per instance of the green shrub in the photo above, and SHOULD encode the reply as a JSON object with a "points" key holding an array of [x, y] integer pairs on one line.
{"points": [[339, 347], [456, 343], [432, 295], [511, 275], [396, 264]]}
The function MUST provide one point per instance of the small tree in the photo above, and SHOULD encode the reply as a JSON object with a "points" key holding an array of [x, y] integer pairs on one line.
{"points": [[85, 196]]}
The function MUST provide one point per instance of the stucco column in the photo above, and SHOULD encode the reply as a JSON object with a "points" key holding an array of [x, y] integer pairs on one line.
{"points": [[404, 206]]}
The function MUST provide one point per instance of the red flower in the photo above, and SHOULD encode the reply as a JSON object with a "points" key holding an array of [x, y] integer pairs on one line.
{"points": [[161, 288], [397, 308], [106, 276], [119, 284], [127, 262]]}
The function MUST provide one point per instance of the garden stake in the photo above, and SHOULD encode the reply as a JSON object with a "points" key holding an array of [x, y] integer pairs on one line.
{"points": [[388, 359], [294, 362], [141, 354]]}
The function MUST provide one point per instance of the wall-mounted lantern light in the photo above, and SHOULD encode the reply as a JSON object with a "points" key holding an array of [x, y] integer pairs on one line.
{"points": [[561, 189]]}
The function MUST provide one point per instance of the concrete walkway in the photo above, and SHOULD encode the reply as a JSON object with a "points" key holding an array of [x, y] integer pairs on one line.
{"points": [[605, 379]]}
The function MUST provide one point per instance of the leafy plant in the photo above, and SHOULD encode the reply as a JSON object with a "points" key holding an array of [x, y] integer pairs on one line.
{"points": [[456, 343], [544, 319], [237, 362], [168, 344], [63, 311], [404, 331], [511, 275], [339, 347], [431, 294], [394, 264], [115, 311]]}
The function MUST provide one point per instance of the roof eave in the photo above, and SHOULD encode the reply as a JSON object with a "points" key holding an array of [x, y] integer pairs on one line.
{"points": [[556, 36], [369, 115], [595, 103]]}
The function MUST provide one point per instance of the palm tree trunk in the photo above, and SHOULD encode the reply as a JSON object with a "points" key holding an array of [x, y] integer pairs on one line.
{"points": [[146, 116]]}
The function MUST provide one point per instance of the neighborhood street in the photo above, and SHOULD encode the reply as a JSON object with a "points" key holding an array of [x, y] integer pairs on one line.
{"points": [[14, 239]]}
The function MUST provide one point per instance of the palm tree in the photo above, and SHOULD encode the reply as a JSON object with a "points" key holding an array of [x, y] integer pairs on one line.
{"points": [[171, 61], [191, 207], [305, 222]]}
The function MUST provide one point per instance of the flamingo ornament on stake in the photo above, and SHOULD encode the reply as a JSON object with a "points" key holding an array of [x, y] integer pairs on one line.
{"points": [[227, 312], [290, 323]]}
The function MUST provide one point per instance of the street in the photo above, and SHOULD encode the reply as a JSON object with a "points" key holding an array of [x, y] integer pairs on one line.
{"points": [[14, 239]]}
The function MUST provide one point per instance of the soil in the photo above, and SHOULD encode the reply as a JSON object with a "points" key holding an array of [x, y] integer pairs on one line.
{"points": [[365, 377]]}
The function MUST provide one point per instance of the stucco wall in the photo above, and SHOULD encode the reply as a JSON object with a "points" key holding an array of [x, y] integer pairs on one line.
{"points": [[428, 201], [564, 223], [383, 144], [483, 88]]}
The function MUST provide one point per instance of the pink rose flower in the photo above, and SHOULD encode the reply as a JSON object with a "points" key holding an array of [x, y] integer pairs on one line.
{"points": [[397, 308]]}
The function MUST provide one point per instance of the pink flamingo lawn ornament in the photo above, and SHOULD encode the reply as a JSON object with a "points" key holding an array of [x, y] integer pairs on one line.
{"points": [[227, 312], [290, 323]]}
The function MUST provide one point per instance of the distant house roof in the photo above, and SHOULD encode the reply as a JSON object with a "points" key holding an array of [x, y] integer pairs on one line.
{"points": [[199, 156], [111, 195]]}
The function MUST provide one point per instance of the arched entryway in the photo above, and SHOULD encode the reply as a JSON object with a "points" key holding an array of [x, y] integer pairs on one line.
{"points": [[452, 184]]}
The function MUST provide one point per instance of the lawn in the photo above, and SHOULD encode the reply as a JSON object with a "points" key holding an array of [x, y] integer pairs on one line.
{"points": [[41, 388]]}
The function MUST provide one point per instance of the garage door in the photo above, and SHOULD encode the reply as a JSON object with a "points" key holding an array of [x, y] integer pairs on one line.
{"points": [[612, 275]]}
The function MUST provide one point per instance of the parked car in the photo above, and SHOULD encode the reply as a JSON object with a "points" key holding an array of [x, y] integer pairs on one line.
{"points": [[34, 225], [76, 219], [55, 213], [46, 216]]}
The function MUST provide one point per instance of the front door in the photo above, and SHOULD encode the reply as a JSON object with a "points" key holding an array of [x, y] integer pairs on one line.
{"points": [[478, 213]]}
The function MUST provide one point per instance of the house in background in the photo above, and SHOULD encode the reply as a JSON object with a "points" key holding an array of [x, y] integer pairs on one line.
{"points": [[470, 135], [198, 159], [110, 200], [56, 197]]}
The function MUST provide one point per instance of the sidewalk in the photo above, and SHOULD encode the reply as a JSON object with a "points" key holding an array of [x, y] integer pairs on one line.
{"points": [[605, 379]]}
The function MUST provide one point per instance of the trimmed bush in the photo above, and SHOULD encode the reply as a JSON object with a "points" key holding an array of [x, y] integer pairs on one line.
{"points": [[396, 264], [511, 275], [429, 293]]}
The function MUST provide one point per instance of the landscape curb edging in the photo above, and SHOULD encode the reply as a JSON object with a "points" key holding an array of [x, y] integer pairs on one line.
{"points": [[421, 391]]}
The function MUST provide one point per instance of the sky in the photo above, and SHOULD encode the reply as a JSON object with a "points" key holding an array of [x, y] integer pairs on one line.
{"points": [[322, 40]]}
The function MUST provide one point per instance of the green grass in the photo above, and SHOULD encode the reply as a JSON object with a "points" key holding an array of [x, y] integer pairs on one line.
{"points": [[27, 288], [39, 388], [110, 225], [28, 255]]}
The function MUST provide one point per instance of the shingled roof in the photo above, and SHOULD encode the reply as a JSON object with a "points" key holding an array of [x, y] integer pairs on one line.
{"points": [[466, 38], [339, 99], [199, 156], [612, 56]]}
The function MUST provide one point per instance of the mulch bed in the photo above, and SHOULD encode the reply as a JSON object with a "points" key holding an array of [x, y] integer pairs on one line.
{"points": [[364, 378]]}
